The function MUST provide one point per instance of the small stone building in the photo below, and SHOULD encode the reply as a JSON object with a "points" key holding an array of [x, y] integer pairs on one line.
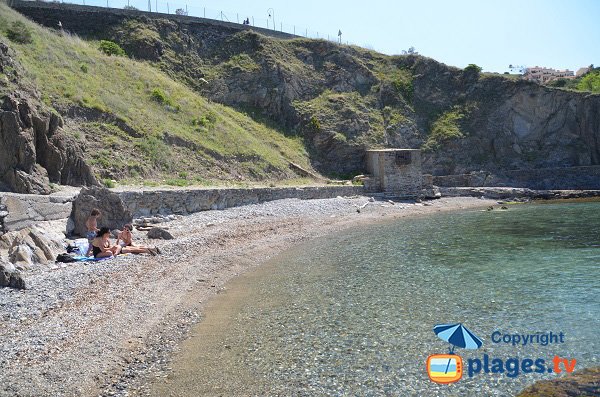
{"points": [[395, 172]]}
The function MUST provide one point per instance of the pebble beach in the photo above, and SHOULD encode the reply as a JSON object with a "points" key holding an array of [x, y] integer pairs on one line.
{"points": [[107, 328]]}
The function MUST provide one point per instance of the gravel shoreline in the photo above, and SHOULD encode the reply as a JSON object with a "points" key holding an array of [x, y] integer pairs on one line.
{"points": [[107, 328]]}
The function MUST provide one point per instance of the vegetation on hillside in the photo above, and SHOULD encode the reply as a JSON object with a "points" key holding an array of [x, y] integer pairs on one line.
{"points": [[589, 82], [139, 124], [448, 126]]}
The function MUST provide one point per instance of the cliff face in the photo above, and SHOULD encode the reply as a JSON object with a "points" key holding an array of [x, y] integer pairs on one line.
{"points": [[34, 150], [342, 99]]}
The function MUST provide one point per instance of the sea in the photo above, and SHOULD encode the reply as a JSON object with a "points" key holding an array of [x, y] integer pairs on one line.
{"points": [[353, 314]]}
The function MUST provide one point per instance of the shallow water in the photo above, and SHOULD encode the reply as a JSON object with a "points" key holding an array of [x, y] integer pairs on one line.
{"points": [[352, 314]]}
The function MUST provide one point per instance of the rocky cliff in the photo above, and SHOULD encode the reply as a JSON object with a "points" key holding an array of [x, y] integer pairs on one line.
{"points": [[34, 150], [343, 99]]}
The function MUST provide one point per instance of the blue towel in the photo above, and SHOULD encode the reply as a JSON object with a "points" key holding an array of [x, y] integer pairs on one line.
{"points": [[81, 258]]}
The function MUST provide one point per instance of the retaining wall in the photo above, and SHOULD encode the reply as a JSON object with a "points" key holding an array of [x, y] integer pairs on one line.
{"points": [[164, 202], [574, 178], [85, 20]]}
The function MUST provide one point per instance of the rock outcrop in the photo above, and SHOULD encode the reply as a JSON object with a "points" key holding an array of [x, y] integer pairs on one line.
{"points": [[34, 149], [10, 276], [114, 214], [31, 246]]}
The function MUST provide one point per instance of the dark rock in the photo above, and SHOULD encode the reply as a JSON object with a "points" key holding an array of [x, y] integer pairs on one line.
{"points": [[159, 233], [114, 213], [10, 276], [581, 383], [33, 147]]}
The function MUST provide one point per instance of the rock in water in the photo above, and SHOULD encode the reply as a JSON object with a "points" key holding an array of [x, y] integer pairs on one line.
{"points": [[159, 233], [114, 213], [581, 383], [10, 276]]}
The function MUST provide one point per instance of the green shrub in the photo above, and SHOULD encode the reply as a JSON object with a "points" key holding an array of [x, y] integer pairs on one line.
{"points": [[84, 68], [111, 48], [448, 127], [590, 82], [177, 182], [161, 97], [314, 124], [208, 121], [19, 33], [109, 183], [183, 175], [404, 88], [155, 150]]}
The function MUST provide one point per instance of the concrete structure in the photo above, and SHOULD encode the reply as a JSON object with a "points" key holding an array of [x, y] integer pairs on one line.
{"points": [[396, 172], [188, 201], [18, 211]]}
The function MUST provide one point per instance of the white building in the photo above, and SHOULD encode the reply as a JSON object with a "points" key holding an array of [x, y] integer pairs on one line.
{"points": [[544, 75]]}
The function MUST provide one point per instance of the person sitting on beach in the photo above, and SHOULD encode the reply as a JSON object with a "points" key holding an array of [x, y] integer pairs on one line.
{"points": [[102, 247], [92, 227], [125, 240]]}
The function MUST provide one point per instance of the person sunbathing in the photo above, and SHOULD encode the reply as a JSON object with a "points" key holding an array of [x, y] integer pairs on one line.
{"points": [[125, 240], [101, 246]]}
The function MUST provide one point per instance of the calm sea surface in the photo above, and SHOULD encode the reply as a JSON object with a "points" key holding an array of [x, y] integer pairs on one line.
{"points": [[352, 314]]}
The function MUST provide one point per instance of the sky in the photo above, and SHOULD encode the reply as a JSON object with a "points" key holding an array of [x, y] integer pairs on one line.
{"points": [[492, 34]]}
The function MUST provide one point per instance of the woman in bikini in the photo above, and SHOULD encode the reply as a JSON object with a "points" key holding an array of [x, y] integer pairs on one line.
{"points": [[125, 240], [101, 246]]}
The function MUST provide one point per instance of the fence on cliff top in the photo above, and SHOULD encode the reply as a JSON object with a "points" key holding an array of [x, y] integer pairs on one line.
{"points": [[270, 21]]}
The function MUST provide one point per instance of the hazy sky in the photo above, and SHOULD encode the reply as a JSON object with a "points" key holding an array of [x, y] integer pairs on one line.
{"points": [[492, 34]]}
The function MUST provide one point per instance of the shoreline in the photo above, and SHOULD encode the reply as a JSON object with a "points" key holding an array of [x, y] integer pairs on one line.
{"points": [[108, 328]]}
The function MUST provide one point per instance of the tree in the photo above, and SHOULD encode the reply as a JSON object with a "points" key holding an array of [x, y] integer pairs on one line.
{"points": [[411, 51], [473, 69], [128, 7], [181, 11]]}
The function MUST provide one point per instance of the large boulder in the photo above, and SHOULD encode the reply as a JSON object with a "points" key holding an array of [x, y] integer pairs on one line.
{"points": [[10, 276], [114, 214], [159, 233], [32, 246]]}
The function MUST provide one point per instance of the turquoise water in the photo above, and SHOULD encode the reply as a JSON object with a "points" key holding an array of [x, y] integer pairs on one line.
{"points": [[352, 314]]}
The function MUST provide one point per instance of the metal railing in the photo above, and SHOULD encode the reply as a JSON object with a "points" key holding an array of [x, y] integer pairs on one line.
{"points": [[269, 22]]}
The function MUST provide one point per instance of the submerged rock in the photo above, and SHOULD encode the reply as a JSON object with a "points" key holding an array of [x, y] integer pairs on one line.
{"points": [[581, 383]]}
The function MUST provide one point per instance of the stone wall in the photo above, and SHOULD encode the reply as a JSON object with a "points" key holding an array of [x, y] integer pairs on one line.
{"points": [[18, 211], [79, 18], [164, 202], [574, 178]]}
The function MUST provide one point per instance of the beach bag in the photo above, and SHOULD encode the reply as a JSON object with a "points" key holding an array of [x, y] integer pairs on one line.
{"points": [[65, 258]]}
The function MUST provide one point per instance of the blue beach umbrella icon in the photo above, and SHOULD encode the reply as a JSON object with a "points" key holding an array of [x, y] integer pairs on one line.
{"points": [[458, 336]]}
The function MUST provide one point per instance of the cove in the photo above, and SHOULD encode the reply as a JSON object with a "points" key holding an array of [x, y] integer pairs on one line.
{"points": [[352, 314]]}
